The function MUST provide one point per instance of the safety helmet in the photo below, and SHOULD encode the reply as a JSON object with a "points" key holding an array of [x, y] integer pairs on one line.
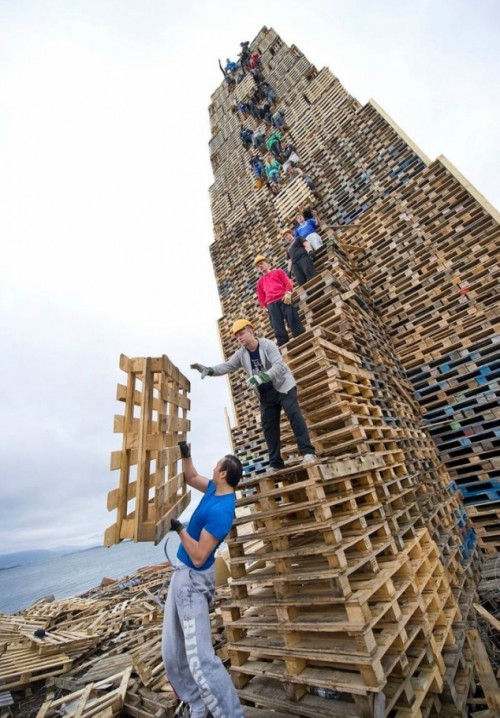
{"points": [[259, 258], [241, 324]]}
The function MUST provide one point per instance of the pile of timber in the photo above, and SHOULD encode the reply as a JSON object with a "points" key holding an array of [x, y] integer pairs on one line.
{"points": [[356, 577], [430, 261], [100, 655], [344, 573], [427, 255]]}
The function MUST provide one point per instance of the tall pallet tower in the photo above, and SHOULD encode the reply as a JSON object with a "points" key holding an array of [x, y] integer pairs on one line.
{"points": [[353, 579]]}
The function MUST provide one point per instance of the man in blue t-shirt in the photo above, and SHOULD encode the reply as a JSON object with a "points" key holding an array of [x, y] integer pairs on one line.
{"points": [[196, 674]]}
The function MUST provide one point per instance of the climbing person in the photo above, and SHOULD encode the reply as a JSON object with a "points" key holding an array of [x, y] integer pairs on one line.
{"points": [[254, 110], [244, 56], [256, 73], [246, 136], [254, 60], [299, 260], [273, 144], [273, 169], [196, 673], [265, 113], [227, 76], [290, 156], [274, 291], [267, 91], [290, 166], [258, 170], [306, 229], [273, 382], [243, 108], [278, 118], [259, 137], [231, 67]]}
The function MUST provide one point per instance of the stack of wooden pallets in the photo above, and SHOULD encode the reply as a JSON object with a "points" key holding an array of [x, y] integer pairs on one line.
{"points": [[357, 575], [434, 277], [323, 597], [99, 654]]}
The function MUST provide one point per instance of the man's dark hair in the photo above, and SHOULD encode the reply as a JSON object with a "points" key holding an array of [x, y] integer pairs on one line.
{"points": [[233, 468]]}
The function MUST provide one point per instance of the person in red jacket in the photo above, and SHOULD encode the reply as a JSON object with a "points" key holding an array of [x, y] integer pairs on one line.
{"points": [[274, 290]]}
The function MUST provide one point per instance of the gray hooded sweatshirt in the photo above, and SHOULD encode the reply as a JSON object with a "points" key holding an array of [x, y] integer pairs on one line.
{"points": [[271, 359]]}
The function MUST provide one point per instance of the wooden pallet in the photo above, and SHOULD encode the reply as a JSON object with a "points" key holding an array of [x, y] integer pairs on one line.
{"points": [[87, 702], [21, 665], [151, 489], [56, 641]]}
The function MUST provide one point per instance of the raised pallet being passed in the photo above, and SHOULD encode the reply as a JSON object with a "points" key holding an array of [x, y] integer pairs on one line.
{"points": [[151, 489]]}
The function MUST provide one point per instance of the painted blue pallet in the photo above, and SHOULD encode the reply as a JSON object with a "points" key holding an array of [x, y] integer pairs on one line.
{"points": [[469, 541], [481, 497]]}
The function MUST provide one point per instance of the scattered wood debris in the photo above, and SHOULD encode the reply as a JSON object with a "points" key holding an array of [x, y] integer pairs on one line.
{"points": [[100, 655]]}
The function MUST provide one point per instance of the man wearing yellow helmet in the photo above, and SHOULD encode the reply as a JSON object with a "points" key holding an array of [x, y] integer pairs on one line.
{"points": [[273, 382]]}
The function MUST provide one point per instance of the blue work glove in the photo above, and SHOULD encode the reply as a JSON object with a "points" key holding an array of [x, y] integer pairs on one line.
{"points": [[258, 379], [204, 370], [175, 525]]}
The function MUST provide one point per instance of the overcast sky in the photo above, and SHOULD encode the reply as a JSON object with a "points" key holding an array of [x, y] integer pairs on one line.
{"points": [[105, 220]]}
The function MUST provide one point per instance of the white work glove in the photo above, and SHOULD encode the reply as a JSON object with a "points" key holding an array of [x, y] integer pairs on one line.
{"points": [[287, 299], [204, 370]]}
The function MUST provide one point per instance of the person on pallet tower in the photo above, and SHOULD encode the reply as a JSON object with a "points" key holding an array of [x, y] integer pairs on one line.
{"points": [[259, 137], [254, 110], [195, 672], [278, 118], [254, 60], [299, 257], [290, 166], [258, 170], [246, 137], [273, 382], [273, 144], [273, 169], [274, 291], [231, 67], [265, 113], [244, 56], [305, 228], [266, 92], [257, 74], [227, 76]]}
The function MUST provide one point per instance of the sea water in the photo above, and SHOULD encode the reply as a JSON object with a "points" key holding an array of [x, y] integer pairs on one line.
{"points": [[74, 573]]}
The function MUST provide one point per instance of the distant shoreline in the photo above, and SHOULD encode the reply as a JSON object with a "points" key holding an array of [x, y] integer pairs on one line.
{"points": [[70, 574]]}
